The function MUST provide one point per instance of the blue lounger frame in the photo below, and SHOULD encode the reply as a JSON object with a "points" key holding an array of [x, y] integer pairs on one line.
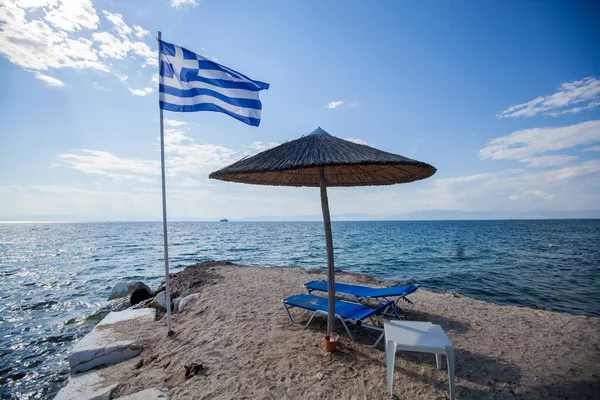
{"points": [[365, 293], [346, 311]]}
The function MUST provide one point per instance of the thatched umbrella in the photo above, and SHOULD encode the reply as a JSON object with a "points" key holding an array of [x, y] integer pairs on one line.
{"points": [[319, 159]]}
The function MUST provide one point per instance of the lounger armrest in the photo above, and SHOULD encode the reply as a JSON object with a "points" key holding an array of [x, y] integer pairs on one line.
{"points": [[378, 310], [383, 307]]}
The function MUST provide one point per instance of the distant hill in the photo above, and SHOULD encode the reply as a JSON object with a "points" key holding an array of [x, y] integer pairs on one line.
{"points": [[334, 217], [468, 215]]}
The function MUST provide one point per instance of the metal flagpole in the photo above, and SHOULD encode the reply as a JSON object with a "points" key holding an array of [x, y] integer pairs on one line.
{"points": [[164, 204]]}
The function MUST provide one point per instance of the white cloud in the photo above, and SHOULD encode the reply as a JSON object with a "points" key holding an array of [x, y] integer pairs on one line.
{"points": [[548, 161], [121, 77], [187, 162], [174, 123], [73, 15], [37, 3], [191, 160], [140, 32], [130, 202], [588, 168], [141, 49], [334, 104], [575, 110], [564, 184], [141, 92], [536, 194], [130, 188], [358, 141], [154, 80], [35, 45], [517, 190], [585, 93], [182, 3], [79, 203], [593, 148], [41, 35], [528, 144], [261, 146], [100, 87], [119, 24], [104, 163], [566, 188], [111, 46], [50, 81]]}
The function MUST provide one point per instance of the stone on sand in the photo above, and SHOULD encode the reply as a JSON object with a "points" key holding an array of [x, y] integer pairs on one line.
{"points": [[188, 299], [160, 301]]}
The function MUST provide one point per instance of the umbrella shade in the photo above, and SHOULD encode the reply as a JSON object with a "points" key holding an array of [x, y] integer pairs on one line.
{"points": [[319, 159], [296, 163]]}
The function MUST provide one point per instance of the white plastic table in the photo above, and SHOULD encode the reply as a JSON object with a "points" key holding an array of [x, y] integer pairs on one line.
{"points": [[418, 336]]}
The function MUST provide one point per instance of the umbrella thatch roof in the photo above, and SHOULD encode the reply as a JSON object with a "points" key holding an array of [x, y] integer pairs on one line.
{"points": [[346, 163]]}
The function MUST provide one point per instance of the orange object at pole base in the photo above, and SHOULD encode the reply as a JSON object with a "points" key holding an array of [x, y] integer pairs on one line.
{"points": [[330, 346]]}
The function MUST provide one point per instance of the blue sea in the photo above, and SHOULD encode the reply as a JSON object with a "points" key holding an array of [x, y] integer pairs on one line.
{"points": [[56, 278]]}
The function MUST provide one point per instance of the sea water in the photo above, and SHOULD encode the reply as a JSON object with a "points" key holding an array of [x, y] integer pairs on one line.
{"points": [[56, 278]]}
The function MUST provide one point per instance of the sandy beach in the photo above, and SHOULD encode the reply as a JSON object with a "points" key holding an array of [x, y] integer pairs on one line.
{"points": [[240, 334]]}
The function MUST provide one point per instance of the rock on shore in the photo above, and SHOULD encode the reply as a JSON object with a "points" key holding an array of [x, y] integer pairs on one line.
{"points": [[125, 289]]}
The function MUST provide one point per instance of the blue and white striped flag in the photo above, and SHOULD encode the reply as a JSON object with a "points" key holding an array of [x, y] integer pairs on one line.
{"points": [[189, 82]]}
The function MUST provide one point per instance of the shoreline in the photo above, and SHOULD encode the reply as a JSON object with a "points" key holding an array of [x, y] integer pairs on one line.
{"points": [[241, 335]]}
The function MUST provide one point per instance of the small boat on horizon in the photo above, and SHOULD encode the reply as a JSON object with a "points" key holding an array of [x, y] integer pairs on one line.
{"points": [[224, 220]]}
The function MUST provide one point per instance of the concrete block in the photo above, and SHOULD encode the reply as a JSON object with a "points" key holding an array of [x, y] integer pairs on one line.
{"points": [[89, 386], [100, 348], [142, 314], [148, 394]]}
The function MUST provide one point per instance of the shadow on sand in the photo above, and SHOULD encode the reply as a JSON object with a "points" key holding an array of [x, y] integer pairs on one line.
{"points": [[447, 324], [478, 376], [484, 375]]}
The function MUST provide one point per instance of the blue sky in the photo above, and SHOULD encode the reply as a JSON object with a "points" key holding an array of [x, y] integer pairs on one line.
{"points": [[502, 97]]}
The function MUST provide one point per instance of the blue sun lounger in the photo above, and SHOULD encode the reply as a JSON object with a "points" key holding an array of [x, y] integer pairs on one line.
{"points": [[362, 293], [345, 311]]}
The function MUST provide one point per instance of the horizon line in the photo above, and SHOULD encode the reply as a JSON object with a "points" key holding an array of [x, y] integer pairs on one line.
{"points": [[8, 222]]}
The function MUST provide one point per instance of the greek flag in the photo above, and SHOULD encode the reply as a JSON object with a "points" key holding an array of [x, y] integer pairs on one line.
{"points": [[189, 82]]}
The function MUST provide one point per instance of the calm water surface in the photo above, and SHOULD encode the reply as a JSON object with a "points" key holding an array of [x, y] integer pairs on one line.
{"points": [[56, 277]]}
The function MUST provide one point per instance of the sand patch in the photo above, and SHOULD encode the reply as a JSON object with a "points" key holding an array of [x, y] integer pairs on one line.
{"points": [[240, 334]]}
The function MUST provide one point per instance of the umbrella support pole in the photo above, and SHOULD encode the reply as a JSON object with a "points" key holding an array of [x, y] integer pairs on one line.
{"points": [[330, 263]]}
